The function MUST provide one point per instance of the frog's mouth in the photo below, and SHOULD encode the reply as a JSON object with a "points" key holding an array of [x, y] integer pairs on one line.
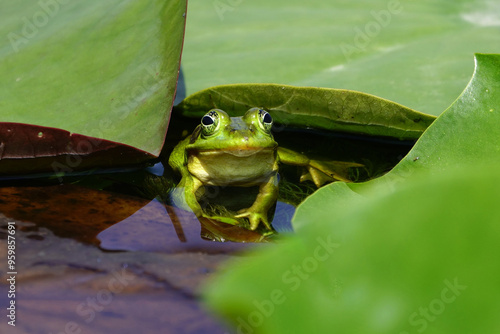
{"points": [[238, 152]]}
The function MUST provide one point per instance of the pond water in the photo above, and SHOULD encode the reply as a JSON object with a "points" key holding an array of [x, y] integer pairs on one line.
{"points": [[100, 261]]}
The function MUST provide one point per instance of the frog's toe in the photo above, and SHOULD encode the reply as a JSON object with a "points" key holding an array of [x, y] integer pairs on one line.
{"points": [[255, 219]]}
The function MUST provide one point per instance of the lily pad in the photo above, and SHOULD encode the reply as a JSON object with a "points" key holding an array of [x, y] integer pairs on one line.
{"points": [[416, 53], [408, 252], [85, 79], [311, 107]]}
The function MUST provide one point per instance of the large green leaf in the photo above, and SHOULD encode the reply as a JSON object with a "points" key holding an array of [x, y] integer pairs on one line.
{"points": [[416, 53], [92, 69], [466, 134], [311, 107], [411, 251]]}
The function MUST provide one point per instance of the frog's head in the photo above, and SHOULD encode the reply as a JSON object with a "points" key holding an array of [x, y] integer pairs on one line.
{"points": [[240, 136]]}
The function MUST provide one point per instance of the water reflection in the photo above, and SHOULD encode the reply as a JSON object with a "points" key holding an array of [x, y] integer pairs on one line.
{"points": [[158, 248], [116, 221], [159, 228]]}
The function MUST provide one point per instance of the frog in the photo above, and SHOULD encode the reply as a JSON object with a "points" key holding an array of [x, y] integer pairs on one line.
{"points": [[239, 152]]}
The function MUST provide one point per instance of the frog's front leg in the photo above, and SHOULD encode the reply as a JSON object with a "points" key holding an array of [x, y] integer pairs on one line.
{"points": [[267, 197], [184, 195]]}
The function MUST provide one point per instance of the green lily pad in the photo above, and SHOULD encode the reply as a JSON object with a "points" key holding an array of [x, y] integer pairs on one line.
{"points": [[94, 80], [415, 53], [311, 107], [409, 252]]}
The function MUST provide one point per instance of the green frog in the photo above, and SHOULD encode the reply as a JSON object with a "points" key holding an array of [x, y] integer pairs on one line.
{"points": [[241, 152]]}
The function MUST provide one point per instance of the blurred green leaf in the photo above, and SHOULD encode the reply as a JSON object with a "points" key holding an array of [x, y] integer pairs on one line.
{"points": [[416, 53], [93, 69], [409, 252], [311, 107]]}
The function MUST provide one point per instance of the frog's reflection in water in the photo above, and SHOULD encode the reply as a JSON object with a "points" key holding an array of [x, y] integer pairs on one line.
{"points": [[224, 204], [162, 228]]}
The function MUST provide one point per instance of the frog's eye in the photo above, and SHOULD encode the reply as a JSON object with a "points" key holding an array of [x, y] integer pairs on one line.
{"points": [[210, 122], [265, 119], [207, 120]]}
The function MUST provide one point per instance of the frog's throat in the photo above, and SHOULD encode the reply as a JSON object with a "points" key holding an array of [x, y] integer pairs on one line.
{"points": [[237, 152], [221, 168]]}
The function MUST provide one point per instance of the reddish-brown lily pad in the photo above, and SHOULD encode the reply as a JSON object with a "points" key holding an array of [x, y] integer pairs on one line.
{"points": [[26, 148]]}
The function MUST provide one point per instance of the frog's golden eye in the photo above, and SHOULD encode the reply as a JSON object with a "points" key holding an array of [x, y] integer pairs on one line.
{"points": [[265, 120], [210, 123]]}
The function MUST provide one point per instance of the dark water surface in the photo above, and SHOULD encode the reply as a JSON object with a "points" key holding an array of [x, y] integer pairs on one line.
{"points": [[96, 261]]}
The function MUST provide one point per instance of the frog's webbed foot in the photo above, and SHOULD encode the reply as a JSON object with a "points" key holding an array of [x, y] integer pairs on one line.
{"points": [[321, 172], [255, 218]]}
